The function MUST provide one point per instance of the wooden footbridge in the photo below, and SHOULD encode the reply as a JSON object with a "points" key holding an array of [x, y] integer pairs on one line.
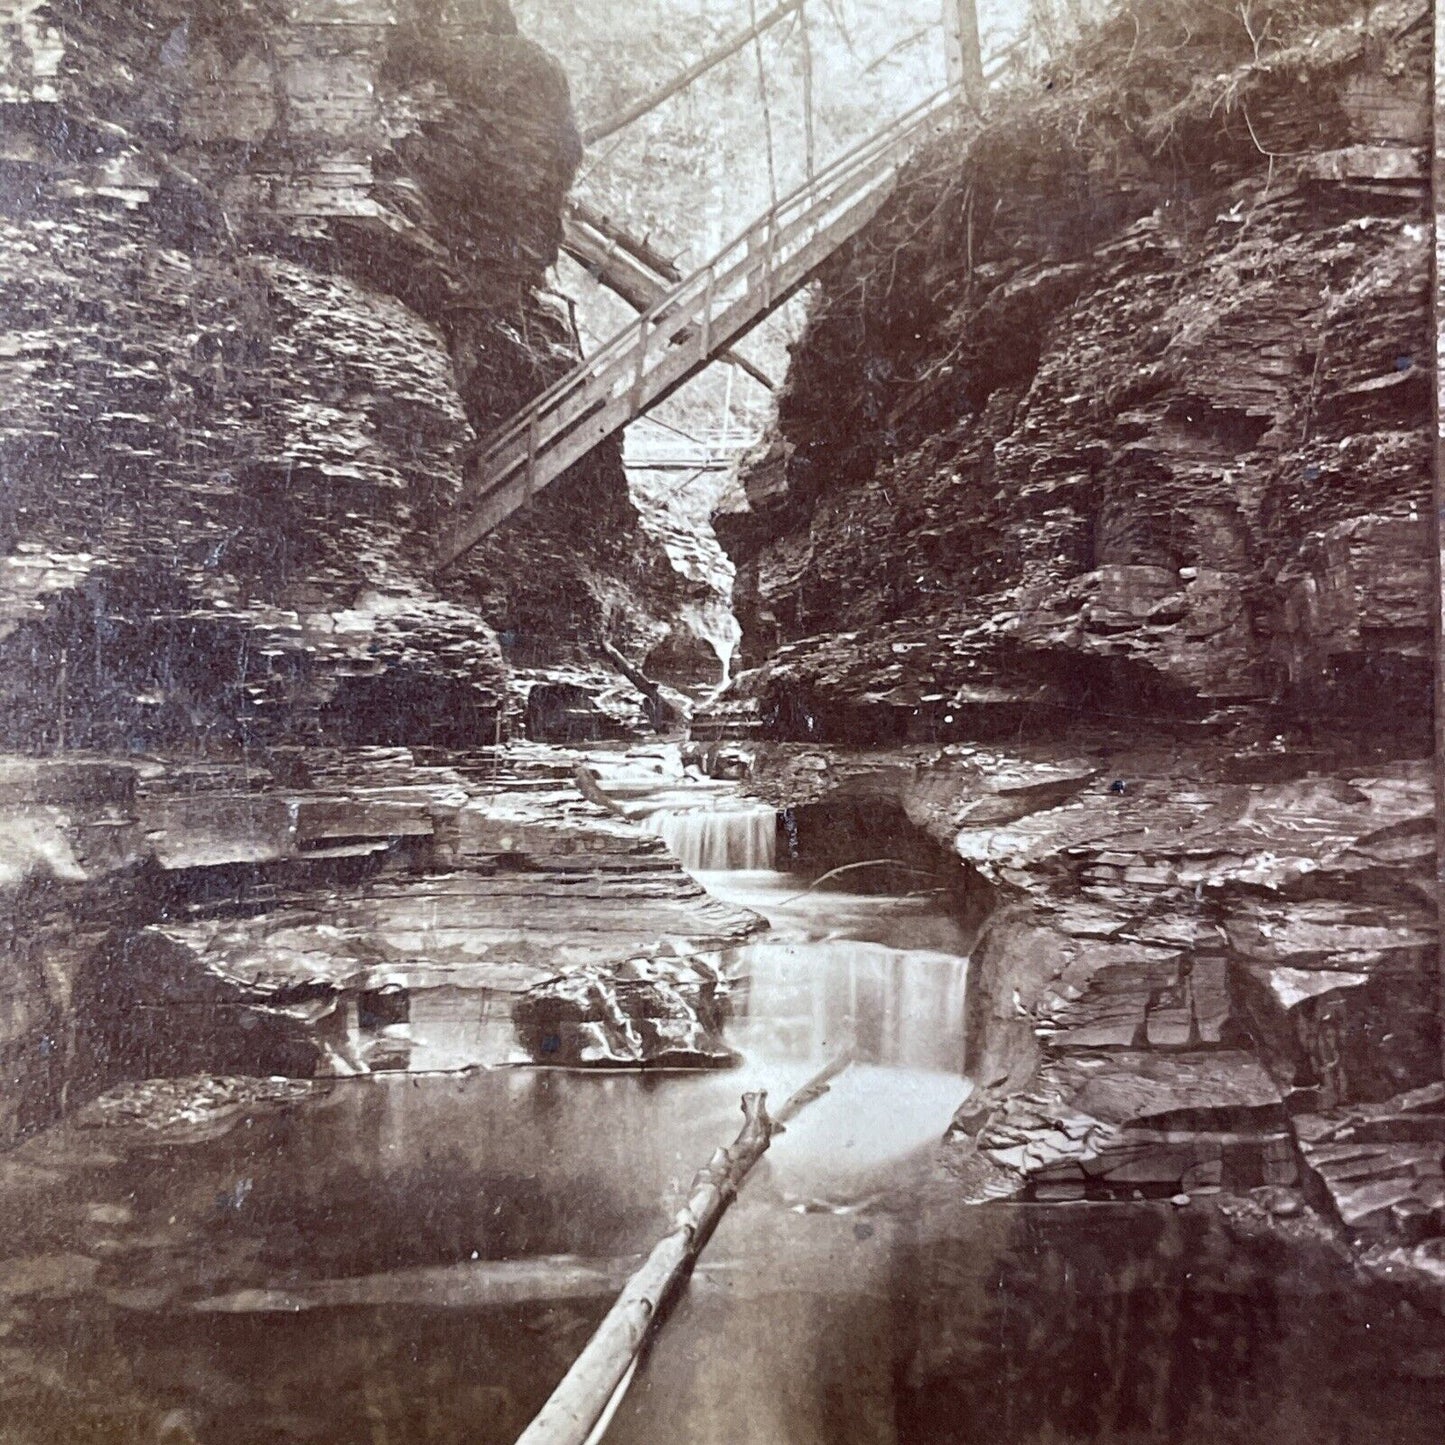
{"points": [[686, 324], [689, 325], [666, 450]]}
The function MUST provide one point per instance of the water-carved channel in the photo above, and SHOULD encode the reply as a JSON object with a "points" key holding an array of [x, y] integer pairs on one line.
{"points": [[419, 1253], [475, 1208]]}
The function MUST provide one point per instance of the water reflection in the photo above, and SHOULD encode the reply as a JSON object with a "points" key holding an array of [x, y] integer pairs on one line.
{"points": [[350, 1269], [457, 1028], [951, 1324]]}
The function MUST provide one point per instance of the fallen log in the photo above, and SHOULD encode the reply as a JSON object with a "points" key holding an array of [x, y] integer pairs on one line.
{"points": [[588, 1393], [591, 789], [660, 265], [665, 705]]}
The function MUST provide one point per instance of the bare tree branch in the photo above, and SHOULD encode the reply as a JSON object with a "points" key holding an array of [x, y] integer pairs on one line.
{"points": [[725, 51]]}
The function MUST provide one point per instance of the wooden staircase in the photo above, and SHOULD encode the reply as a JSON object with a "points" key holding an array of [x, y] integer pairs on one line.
{"points": [[697, 320]]}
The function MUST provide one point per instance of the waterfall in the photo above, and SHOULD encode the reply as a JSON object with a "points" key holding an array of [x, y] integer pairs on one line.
{"points": [[895, 1007], [719, 842]]}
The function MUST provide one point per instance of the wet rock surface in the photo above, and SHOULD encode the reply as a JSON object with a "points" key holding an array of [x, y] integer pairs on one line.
{"points": [[1381, 1167], [271, 272], [1125, 507], [248, 1252], [1078, 429], [1086, 546], [173, 918], [314, 1234], [1185, 984], [658, 1013]]}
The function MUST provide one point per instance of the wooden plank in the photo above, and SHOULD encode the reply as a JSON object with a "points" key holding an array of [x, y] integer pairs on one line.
{"points": [[862, 163], [893, 140], [568, 442], [676, 368], [604, 371], [708, 301], [623, 273]]}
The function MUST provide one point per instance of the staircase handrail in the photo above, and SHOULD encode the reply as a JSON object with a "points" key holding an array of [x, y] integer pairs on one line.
{"points": [[589, 402]]}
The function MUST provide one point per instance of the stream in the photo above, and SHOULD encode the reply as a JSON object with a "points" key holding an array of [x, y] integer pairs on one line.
{"points": [[408, 1257], [283, 1279]]}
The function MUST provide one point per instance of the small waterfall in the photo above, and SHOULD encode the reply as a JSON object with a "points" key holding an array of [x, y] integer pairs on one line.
{"points": [[899, 1008], [719, 842]]}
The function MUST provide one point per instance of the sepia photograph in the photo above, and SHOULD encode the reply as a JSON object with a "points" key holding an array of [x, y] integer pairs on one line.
{"points": [[722, 722]]}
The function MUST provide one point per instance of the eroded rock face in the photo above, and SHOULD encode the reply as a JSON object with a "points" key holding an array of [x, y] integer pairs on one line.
{"points": [[270, 271], [1110, 413], [658, 1014], [340, 912], [1183, 979], [1139, 471]]}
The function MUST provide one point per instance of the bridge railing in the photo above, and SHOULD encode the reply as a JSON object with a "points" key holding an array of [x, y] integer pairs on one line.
{"points": [[685, 330], [707, 450]]}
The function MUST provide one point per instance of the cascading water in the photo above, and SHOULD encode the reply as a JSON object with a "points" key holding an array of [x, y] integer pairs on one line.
{"points": [[552, 1180], [891, 1007], [719, 841]]}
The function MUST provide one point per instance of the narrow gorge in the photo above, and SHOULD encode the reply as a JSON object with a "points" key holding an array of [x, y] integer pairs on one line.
{"points": [[1033, 731]]}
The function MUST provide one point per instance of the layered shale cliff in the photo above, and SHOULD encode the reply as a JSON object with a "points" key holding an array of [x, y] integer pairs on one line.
{"points": [[1093, 543], [269, 271], [1122, 404]]}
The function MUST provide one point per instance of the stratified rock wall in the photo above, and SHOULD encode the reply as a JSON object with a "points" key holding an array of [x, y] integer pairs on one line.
{"points": [[1140, 377], [1195, 968], [269, 269], [1105, 463], [167, 918]]}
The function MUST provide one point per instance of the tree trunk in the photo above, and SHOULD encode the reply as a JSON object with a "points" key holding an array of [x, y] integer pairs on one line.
{"points": [[713, 58], [618, 265], [588, 1389], [664, 705], [965, 55], [655, 261], [591, 789]]}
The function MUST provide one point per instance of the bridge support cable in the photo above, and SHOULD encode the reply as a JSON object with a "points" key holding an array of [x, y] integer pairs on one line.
{"points": [[767, 104], [805, 43]]}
